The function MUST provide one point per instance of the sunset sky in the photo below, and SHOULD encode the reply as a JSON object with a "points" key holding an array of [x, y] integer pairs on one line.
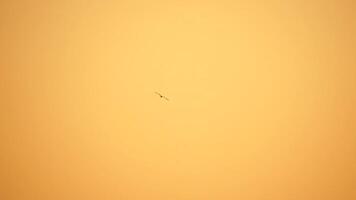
{"points": [[262, 100]]}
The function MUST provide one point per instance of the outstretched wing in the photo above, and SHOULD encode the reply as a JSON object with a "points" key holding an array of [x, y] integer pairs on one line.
{"points": [[159, 94]]}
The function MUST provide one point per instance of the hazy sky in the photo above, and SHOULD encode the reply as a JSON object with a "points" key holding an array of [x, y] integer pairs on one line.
{"points": [[262, 100]]}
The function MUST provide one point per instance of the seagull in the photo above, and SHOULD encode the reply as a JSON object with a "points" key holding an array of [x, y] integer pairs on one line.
{"points": [[160, 95]]}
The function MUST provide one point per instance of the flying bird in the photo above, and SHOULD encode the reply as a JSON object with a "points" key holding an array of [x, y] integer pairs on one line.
{"points": [[160, 95]]}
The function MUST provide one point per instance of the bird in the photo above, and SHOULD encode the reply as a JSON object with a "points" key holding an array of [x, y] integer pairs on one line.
{"points": [[160, 95]]}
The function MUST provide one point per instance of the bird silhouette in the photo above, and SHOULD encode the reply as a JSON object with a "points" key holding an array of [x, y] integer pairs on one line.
{"points": [[160, 95]]}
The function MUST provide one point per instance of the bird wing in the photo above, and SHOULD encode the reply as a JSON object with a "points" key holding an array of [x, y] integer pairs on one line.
{"points": [[162, 96]]}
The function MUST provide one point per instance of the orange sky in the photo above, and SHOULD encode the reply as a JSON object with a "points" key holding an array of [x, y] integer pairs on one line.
{"points": [[262, 100]]}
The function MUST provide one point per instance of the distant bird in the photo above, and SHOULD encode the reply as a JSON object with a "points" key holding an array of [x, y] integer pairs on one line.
{"points": [[160, 95]]}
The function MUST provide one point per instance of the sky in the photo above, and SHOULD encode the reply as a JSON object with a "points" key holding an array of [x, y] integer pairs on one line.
{"points": [[262, 100]]}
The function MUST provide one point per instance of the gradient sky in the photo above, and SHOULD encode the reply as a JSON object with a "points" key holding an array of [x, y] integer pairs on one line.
{"points": [[262, 100]]}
